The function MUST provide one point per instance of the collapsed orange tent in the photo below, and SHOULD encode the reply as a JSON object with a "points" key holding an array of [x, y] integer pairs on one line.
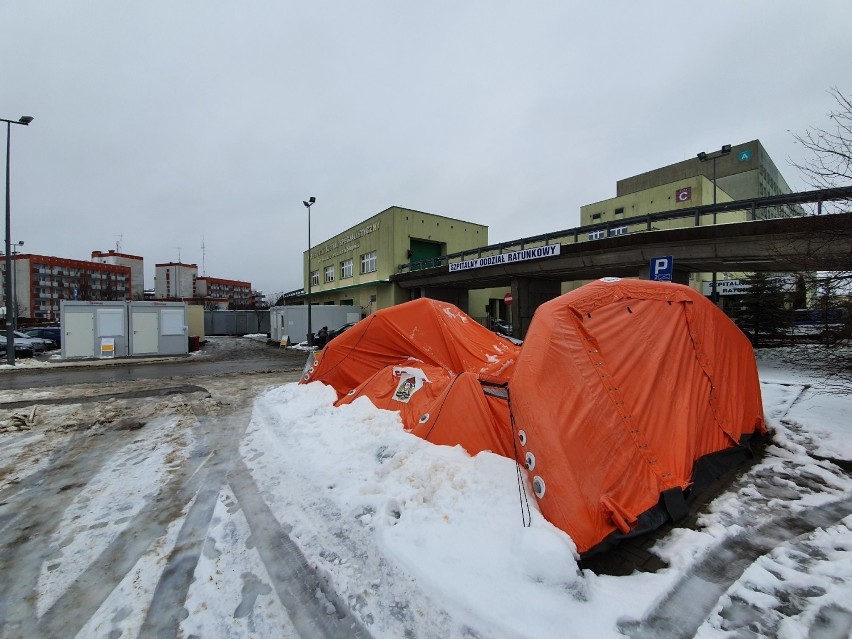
{"points": [[432, 363], [624, 394]]}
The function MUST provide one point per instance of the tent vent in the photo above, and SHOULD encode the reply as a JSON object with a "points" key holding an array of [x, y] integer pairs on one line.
{"points": [[629, 310], [522, 436], [352, 392], [424, 418], [530, 459], [538, 486]]}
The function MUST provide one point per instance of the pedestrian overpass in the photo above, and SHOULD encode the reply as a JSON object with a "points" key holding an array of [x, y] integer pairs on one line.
{"points": [[816, 237]]}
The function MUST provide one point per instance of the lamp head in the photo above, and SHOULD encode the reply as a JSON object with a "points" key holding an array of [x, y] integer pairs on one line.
{"points": [[726, 148], [702, 156], [25, 119]]}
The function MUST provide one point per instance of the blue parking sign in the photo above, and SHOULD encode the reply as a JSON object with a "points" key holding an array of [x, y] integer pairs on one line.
{"points": [[662, 268]]}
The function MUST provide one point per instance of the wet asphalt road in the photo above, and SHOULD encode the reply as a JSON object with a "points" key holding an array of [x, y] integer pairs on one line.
{"points": [[218, 357]]}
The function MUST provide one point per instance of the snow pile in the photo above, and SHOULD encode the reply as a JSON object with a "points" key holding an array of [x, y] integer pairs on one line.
{"points": [[425, 540], [417, 538]]}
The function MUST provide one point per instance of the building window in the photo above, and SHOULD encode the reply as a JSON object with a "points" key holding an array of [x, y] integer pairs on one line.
{"points": [[314, 278], [619, 210], [368, 262], [596, 235], [618, 230], [346, 269], [329, 273], [596, 216]]}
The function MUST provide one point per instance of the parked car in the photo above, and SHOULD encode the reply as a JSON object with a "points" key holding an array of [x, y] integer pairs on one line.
{"points": [[499, 326], [22, 348], [340, 331], [53, 333], [40, 345]]}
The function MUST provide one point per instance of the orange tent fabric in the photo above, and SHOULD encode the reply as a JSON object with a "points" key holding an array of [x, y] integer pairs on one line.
{"points": [[421, 332], [620, 387], [432, 410]]}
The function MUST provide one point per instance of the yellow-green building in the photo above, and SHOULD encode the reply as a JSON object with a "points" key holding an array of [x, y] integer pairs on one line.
{"points": [[354, 267], [739, 172]]}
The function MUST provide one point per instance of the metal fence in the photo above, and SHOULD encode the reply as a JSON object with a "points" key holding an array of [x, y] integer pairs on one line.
{"points": [[236, 322]]}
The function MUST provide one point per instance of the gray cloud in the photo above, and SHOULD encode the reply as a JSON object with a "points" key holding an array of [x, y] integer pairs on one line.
{"points": [[169, 122]]}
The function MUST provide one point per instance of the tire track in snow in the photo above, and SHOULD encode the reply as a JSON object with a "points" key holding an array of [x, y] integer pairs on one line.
{"points": [[295, 581], [35, 509], [694, 596], [72, 610], [692, 599], [222, 437]]}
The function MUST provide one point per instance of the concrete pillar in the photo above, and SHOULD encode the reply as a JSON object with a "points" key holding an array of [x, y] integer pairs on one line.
{"points": [[527, 295]]}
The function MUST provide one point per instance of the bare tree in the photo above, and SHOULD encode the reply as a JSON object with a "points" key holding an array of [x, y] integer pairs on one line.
{"points": [[830, 164]]}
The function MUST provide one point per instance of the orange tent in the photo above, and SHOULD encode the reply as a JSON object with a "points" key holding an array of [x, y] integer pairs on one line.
{"points": [[423, 331], [623, 393], [432, 363], [621, 387]]}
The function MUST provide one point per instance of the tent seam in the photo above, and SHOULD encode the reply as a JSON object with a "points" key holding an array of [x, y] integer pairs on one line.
{"points": [[606, 378]]}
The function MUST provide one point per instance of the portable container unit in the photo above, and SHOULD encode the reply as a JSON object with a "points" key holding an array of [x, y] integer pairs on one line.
{"points": [[158, 328], [292, 321], [121, 329], [93, 329], [241, 322]]}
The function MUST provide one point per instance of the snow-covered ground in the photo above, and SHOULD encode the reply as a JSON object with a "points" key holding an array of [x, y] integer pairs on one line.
{"points": [[408, 539]]}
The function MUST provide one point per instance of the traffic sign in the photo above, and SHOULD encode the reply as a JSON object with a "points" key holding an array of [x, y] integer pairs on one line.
{"points": [[662, 268], [507, 299]]}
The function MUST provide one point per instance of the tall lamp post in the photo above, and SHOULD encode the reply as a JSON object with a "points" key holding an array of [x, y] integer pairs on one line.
{"points": [[309, 203], [15, 287], [10, 331], [704, 157]]}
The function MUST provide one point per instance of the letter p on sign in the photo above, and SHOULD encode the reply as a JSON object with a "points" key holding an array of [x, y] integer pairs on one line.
{"points": [[662, 268]]}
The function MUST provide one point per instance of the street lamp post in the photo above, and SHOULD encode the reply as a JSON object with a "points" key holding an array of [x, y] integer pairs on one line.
{"points": [[725, 150], [10, 334], [15, 286], [309, 203]]}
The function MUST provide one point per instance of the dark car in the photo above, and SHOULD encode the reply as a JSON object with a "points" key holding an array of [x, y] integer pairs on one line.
{"points": [[499, 326], [340, 331], [23, 348], [47, 332]]}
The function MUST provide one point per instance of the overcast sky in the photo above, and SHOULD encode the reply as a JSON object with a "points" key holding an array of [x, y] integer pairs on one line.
{"points": [[165, 124]]}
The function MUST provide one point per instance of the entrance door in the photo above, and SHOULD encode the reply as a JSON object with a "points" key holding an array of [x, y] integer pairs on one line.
{"points": [[146, 329], [79, 338]]}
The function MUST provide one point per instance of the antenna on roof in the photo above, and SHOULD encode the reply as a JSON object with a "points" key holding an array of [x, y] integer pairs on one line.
{"points": [[178, 250], [203, 267], [118, 243]]}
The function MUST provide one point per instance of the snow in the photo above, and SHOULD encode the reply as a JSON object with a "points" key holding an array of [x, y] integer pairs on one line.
{"points": [[419, 540], [448, 526]]}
